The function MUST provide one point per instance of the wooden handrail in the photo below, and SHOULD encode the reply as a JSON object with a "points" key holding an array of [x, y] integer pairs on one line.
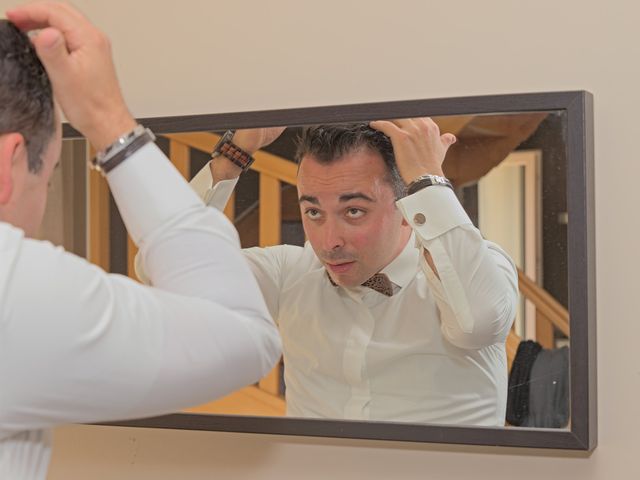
{"points": [[273, 165], [544, 302]]}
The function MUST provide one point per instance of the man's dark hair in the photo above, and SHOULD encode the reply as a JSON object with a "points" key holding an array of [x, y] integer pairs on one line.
{"points": [[26, 97], [329, 143]]}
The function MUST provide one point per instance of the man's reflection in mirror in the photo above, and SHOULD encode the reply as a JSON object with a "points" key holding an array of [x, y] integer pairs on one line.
{"points": [[395, 308]]}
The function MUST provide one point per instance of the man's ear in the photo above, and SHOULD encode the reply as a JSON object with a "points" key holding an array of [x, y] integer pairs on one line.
{"points": [[11, 145]]}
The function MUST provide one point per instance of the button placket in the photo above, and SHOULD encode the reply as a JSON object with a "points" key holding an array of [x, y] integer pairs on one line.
{"points": [[354, 366]]}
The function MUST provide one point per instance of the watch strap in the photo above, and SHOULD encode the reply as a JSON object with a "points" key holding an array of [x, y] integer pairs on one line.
{"points": [[122, 148], [232, 152], [425, 181]]}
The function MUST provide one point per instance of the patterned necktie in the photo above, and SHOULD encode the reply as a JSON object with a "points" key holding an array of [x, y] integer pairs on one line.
{"points": [[380, 283]]}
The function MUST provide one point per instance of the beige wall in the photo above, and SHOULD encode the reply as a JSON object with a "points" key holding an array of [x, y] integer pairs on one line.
{"points": [[294, 53]]}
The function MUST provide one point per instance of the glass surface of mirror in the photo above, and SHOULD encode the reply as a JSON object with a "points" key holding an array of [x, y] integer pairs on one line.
{"points": [[497, 167], [509, 172]]}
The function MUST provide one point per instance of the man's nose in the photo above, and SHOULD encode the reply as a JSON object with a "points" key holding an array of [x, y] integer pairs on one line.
{"points": [[332, 235]]}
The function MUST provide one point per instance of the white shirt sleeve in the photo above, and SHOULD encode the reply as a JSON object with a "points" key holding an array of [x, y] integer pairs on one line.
{"points": [[478, 286], [80, 345]]}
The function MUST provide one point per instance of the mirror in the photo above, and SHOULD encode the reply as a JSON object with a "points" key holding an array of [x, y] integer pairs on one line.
{"points": [[521, 169]]}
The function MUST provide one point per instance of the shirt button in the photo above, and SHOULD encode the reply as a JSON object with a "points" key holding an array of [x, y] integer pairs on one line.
{"points": [[419, 219]]}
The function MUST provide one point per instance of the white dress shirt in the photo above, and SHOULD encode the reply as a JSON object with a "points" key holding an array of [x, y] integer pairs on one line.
{"points": [[80, 345], [433, 352]]}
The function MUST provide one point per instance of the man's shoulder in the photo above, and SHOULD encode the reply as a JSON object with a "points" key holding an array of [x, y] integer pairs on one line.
{"points": [[284, 263], [291, 256], [10, 237], [294, 253]]}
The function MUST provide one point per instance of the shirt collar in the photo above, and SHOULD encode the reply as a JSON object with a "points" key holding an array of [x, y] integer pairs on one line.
{"points": [[403, 268]]}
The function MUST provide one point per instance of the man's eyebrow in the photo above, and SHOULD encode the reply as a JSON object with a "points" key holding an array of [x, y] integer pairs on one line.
{"points": [[308, 198], [345, 197]]}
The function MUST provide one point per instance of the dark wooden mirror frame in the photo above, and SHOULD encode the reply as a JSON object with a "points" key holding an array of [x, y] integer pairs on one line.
{"points": [[578, 108]]}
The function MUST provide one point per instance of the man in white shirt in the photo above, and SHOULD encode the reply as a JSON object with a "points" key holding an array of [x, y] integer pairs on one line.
{"points": [[431, 346], [78, 344]]}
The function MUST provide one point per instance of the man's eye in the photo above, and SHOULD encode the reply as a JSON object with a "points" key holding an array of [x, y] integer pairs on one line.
{"points": [[312, 213], [355, 213]]}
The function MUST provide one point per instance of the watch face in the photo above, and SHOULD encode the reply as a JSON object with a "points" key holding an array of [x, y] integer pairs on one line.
{"points": [[228, 135]]}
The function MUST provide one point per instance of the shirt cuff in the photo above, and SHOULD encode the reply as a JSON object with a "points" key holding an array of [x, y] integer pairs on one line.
{"points": [[202, 181], [216, 195], [433, 211]]}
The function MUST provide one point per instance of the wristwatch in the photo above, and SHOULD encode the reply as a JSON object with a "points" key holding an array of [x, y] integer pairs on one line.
{"points": [[425, 181], [233, 152], [125, 146]]}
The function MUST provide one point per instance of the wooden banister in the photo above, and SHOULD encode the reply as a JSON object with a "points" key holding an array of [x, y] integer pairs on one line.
{"points": [[277, 167], [550, 308]]}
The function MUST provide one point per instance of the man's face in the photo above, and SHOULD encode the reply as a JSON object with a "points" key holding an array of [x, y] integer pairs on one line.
{"points": [[29, 198], [349, 215]]}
